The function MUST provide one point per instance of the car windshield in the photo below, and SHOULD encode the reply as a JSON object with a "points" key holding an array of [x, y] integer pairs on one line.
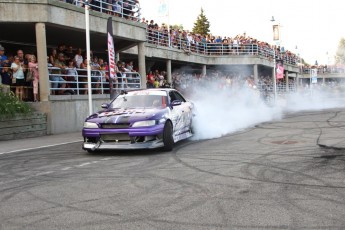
{"points": [[135, 101]]}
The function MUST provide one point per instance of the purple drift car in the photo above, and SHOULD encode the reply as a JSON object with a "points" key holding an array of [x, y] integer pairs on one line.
{"points": [[140, 119]]}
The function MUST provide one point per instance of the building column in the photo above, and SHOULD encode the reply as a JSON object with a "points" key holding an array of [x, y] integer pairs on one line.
{"points": [[256, 74], [287, 81], [141, 64], [169, 78], [203, 70], [41, 41]]}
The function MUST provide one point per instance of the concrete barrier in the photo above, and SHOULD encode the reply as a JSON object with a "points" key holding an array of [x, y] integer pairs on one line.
{"points": [[23, 126]]}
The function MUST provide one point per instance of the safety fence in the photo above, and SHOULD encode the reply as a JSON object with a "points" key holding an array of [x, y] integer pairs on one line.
{"points": [[75, 81], [163, 38], [324, 70], [281, 88], [128, 9]]}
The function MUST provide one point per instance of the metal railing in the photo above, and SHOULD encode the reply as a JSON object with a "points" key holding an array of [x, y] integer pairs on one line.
{"points": [[163, 38], [75, 81], [325, 70], [129, 9]]}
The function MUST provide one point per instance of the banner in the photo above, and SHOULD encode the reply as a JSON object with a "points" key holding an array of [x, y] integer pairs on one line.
{"points": [[111, 56], [163, 8], [280, 70], [276, 33]]}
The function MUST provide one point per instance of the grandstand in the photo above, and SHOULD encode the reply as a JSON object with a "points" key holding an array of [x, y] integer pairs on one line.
{"points": [[36, 26]]}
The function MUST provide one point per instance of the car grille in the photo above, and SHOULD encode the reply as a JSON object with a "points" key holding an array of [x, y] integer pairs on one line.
{"points": [[116, 137], [115, 126]]}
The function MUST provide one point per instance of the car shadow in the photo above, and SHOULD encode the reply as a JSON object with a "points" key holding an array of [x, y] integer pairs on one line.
{"points": [[127, 152], [138, 152]]}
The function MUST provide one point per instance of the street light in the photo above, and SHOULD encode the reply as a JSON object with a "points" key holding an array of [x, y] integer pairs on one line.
{"points": [[274, 63], [272, 19]]}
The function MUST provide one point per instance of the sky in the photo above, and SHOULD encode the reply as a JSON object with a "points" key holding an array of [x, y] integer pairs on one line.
{"points": [[314, 27]]}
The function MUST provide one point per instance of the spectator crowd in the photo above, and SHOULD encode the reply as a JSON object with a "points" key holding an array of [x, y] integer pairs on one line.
{"points": [[214, 44], [68, 65], [67, 73], [129, 9]]}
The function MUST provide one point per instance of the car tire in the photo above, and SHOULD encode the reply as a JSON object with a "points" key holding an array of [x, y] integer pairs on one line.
{"points": [[168, 139]]}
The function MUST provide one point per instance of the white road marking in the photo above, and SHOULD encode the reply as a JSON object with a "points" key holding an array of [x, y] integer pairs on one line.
{"points": [[40, 147]]}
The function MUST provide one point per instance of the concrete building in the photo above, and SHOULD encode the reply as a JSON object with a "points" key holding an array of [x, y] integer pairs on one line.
{"points": [[42, 24]]}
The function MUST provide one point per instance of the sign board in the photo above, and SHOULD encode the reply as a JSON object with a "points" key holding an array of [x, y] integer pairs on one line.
{"points": [[276, 33], [313, 75]]}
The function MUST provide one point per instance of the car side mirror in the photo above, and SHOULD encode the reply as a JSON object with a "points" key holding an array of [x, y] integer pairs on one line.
{"points": [[105, 106], [175, 103]]}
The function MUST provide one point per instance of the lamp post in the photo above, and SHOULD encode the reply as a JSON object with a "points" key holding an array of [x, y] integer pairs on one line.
{"points": [[88, 56], [274, 63]]}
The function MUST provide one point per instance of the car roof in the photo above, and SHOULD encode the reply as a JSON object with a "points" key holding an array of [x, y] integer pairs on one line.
{"points": [[167, 90], [156, 89]]}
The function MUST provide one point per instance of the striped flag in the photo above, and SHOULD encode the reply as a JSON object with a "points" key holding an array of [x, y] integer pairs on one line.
{"points": [[111, 56], [280, 70]]}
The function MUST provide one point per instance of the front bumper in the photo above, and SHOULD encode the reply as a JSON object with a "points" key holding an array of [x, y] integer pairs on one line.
{"points": [[109, 146], [130, 138]]}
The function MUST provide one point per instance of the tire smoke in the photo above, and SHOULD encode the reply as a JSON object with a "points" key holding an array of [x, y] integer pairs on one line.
{"points": [[222, 110]]}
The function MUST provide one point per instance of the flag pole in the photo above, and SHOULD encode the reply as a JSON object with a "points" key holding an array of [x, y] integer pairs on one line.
{"points": [[169, 42], [88, 56]]}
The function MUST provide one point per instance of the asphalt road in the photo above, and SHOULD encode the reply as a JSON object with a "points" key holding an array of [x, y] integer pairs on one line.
{"points": [[286, 174]]}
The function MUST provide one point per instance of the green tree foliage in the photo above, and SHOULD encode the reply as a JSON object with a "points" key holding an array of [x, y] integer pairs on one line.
{"points": [[340, 54], [10, 105], [202, 25]]}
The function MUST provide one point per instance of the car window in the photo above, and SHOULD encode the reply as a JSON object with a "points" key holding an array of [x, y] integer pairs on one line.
{"points": [[176, 96], [180, 97], [139, 101]]}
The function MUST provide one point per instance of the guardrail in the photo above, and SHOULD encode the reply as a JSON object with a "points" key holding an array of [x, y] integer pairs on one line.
{"points": [[164, 38], [324, 70], [281, 87], [75, 81], [129, 9]]}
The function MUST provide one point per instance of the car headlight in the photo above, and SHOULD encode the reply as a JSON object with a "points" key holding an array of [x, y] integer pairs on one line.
{"points": [[144, 123], [90, 125]]}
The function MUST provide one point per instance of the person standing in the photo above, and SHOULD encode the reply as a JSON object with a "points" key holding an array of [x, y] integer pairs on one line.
{"points": [[52, 56], [3, 57], [58, 82], [33, 66], [150, 79], [78, 58], [18, 74], [6, 75]]}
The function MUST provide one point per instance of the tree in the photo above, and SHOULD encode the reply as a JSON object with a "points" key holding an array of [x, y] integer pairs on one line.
{"points": [[340, 54], [202, 25]]}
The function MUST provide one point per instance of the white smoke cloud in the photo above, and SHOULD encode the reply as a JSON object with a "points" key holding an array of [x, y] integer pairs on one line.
{"points": [[221, 111]]}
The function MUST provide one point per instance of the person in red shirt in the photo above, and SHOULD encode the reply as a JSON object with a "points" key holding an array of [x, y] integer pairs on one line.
{"points": [[150, 80]]}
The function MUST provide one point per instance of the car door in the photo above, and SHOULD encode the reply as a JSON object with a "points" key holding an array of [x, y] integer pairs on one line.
{"points": [[181, 113]]}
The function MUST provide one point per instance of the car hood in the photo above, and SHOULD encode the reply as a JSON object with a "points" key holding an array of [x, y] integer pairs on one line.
{"points": [[126, 115]]}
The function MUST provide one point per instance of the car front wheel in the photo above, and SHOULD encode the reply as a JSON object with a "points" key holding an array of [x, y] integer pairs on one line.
{"points": [[168, 138]]}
